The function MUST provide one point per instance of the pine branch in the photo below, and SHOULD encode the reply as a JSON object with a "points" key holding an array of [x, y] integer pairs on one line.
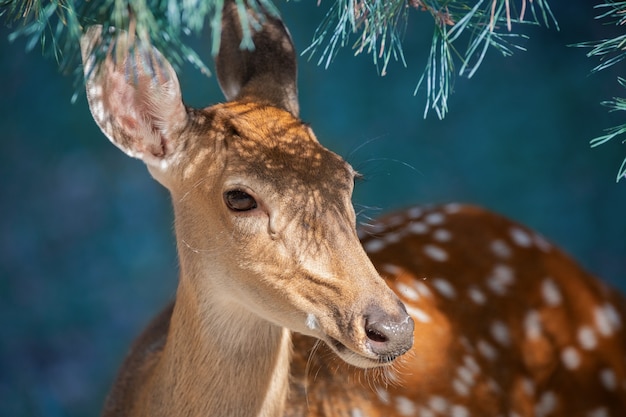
{"points": [[610, 52], [375, 27], [379, 28], [616, 104], [58, 24]]}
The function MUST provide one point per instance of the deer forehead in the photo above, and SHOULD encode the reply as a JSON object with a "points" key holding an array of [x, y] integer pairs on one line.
{"points": [[275, 150]]}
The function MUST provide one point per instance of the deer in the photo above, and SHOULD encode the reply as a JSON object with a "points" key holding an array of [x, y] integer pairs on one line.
{"points": [[285, 307]]}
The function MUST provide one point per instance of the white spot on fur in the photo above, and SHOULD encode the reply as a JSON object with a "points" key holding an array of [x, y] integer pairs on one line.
{"points": [[418, 314], [570, 358], [390, 269], [608, 379], [418, 228], [460, 387], [486, 350], [476, 295], [607, 320], [393, 237], [442, 235], [435, 218], [407, 292], [356, 412], [587, 338], [405, 406], [374, 245], [551, 293], [444, 288], [471, 364], [415, 212], [532, 324], [311, 321], [423, 289], [546, 405], [500, 333], [499, 248], [435, 253], [501, 278], [520, 237], [459, 411], [438, 404], [466, 375]]}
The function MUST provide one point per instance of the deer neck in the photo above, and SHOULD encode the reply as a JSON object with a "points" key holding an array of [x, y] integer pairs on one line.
{"points": [[220, 359]]}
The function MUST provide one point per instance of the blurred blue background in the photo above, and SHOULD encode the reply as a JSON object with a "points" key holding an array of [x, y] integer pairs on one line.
{"points": [[86, 246]]}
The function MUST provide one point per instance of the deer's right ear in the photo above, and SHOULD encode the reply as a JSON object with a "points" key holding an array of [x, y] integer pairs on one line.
{"points": [[134, 96]]}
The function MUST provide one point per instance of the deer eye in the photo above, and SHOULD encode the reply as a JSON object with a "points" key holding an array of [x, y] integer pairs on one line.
{"points": [[238, 200]]}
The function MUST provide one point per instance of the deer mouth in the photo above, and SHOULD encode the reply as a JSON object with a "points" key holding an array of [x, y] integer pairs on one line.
{"points": [[358, 359]]}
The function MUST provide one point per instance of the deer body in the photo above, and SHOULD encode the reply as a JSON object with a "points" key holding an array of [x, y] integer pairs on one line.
{"points": [[279, 309]]}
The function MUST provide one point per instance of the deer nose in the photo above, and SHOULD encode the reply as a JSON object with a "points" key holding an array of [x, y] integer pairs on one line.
{"points": [[388, 335]]}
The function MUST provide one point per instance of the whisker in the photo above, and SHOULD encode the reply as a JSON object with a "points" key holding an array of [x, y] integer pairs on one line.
{"points": [[364, 144]]}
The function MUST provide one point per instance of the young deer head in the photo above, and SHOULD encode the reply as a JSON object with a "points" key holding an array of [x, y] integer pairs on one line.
{"points": [[264, 220]]}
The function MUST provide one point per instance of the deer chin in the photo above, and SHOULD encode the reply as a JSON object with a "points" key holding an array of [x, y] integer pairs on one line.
{"points": [[363, 360]]}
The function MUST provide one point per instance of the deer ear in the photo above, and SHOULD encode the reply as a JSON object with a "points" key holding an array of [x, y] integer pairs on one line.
{"points": [[134, 96], [266, 74]]}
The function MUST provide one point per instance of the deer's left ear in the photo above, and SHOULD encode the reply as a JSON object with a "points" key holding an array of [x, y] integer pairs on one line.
{"points": [[134, 97], [266, 74]]}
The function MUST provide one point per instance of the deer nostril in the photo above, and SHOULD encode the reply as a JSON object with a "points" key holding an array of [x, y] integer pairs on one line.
{"points": [[375, 335]]}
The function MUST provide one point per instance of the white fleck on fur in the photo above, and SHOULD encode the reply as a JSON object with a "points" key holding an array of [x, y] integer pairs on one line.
{"points": [[486, 350], [444, 288], [520, 237], [551, 293], [606, 319], [311, 322], [501, 278], [532, 324], [608, 379], [406, 291], [442, 235], [570, 358], [435, 253], [546, 405], [499, 248], [587, 338], [476, 295], [374, 245], [405, 406], [500, 333], [418, 228], [418, 314], [434, 218]]}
